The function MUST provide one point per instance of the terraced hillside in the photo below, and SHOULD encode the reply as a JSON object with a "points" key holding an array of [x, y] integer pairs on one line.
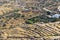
{"points": [[13, 25]]}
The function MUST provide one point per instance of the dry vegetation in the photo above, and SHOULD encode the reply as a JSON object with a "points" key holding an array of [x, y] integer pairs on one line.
{"points": [[13, 21]]}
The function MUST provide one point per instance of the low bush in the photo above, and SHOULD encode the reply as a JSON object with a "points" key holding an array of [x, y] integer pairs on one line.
{"points": [[44, 19]]}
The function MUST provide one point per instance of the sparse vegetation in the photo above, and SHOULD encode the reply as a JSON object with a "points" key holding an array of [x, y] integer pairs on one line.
{"points": [[15, 22], [42, 18]]}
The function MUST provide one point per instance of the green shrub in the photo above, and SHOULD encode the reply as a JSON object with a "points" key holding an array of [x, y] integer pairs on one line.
{"points": [[44, 19], [29, 22]]}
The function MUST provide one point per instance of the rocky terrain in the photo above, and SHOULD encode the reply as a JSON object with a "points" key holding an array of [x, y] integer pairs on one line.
{"points": [[18, 25]]}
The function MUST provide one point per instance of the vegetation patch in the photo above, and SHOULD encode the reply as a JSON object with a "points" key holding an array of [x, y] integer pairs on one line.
{"points": [[42, 18]]}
